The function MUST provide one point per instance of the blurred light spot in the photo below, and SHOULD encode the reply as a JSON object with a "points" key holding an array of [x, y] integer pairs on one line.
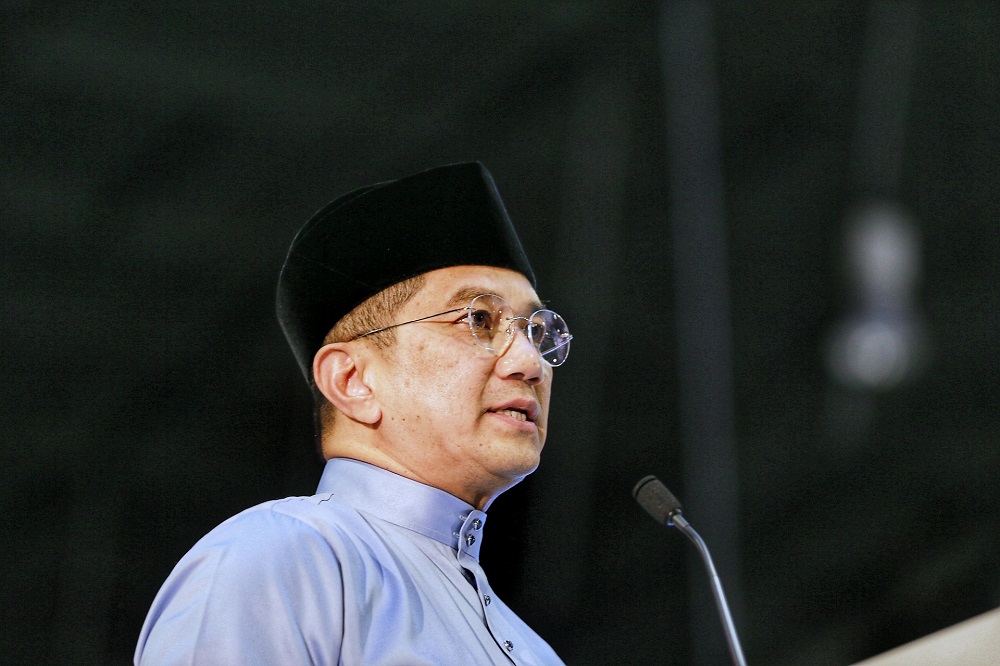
{"points": [[880, 342]]}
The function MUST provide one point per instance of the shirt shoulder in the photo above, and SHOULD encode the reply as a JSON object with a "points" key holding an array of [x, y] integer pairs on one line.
{"points": [[263, 586], [290, 518]]}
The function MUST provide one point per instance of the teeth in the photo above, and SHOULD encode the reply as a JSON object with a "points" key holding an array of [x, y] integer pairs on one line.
{"points": [[521, 416]]}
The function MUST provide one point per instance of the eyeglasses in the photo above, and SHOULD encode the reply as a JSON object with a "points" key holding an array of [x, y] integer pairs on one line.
{"points": [[493, 326]]}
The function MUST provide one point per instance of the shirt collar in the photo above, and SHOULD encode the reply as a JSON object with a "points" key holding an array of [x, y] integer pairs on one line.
{"points": [[404, 502]]}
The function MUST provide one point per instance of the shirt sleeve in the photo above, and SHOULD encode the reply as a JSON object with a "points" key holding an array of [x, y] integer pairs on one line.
{"points": [[262, 588]]}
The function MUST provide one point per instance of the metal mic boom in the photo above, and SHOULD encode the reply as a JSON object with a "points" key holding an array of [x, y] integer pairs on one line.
{"points": [[661, 504]]}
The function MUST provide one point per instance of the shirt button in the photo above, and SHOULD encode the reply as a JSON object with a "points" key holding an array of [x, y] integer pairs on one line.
{"points": [[470, 539], [486, 599], [509, 646], [476, 523]]}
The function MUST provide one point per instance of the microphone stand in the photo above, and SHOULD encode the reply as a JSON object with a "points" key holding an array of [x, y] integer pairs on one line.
{"points": [[733, 641], [661, 504]]}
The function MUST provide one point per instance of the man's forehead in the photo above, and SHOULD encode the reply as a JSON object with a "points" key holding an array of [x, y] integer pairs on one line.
{"points": [[462, 294], [455, 286]]}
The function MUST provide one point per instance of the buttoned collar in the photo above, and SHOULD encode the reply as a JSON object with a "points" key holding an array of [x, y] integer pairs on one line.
{"points": [[407, 503]]}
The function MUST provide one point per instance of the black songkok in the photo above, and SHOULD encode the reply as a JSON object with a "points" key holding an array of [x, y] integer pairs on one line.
{"points": [[374, 237]]}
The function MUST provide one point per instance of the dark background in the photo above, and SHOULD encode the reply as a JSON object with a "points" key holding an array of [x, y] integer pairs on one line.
{"points": [[158, 157]]}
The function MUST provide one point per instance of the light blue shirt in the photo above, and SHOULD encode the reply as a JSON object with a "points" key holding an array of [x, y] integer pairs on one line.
{"points": [[375, 569]]}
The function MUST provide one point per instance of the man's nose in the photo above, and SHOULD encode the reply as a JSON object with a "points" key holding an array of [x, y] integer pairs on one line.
{"points": [[521, 359]]}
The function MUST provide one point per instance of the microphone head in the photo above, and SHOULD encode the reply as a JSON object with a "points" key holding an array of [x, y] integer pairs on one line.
{"points": [[654, 497]]}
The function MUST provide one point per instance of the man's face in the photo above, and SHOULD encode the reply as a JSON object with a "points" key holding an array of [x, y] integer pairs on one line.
{"points": [[447, 402]]}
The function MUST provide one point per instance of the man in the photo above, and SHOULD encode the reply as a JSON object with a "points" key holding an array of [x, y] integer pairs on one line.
{"points": [[411, 310]]}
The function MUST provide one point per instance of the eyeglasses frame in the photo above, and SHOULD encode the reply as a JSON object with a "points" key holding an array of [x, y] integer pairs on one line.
{"points": [[509, 336]]}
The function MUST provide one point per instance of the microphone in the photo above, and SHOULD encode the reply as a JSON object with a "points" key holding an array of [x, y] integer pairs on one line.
{"points": [[661, 504]]}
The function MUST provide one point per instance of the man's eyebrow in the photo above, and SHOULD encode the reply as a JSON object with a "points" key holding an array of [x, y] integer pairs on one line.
{"points": [[465, 294], [537, 305]]}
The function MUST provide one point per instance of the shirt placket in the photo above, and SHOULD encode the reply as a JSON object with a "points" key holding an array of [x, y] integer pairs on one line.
{"points": [[469, 541]]}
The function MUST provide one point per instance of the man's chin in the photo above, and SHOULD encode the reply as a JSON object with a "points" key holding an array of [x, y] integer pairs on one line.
{"points": [[521, 465]]}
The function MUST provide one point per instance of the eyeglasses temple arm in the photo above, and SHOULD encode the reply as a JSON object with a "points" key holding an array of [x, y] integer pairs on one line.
{"points": [[412, 321]]}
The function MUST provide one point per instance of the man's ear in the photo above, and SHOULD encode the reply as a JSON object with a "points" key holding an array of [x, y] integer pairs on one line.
{"points": [[338, 373]]}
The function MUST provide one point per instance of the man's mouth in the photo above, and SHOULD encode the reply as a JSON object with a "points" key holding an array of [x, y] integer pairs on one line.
{"points": [[513, 413], [520, 409]]}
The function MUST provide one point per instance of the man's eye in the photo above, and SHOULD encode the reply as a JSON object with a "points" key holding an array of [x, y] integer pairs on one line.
{"points": [[538, 332], [481, 320]]}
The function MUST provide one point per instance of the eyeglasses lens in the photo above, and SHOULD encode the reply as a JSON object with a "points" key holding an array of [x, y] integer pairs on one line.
{"points": [[549, 333], [490, 318], [487, 319]]}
